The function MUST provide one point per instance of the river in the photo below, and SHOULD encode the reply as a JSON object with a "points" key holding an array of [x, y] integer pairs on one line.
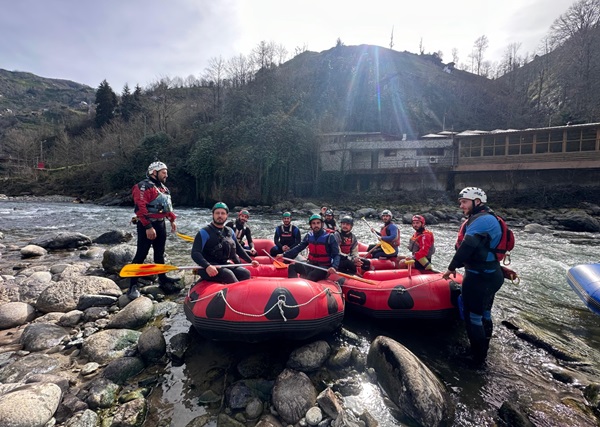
{"points": [[517, 371]]}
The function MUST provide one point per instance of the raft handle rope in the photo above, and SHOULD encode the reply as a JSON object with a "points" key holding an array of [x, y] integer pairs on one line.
{"points": [[281, 303]]}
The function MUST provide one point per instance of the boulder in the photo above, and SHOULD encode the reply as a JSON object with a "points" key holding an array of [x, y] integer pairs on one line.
{"points": [[409, 383], [113, 237], [293, 395], [579, 221], [29, 405], [134, 315], [42, 336], [108, 345], [31, 251], [62, 240], [64, 295], [15, 314], [116, 257], [309, 357]]}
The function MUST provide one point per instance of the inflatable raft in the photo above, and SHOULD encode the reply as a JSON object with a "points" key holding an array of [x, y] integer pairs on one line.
{"points": [[265, 308], [585, 281], [403, 294]]}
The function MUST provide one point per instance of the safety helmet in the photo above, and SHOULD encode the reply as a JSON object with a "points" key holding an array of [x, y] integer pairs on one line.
{"points": [[286, 215], [347, 220], [156, 166], [244, 212], [220, 205], [386, 212], [328, 212], [420, 218], [473, 193], [314, 216]]}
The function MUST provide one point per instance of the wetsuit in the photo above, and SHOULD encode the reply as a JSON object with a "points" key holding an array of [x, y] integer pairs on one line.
{"points": [[285, 236], [348, 244], [323, 251], [483, 277], [216, 246], [391, 234], [152, 206], [330, 225], [422, 247], [242, 231]]}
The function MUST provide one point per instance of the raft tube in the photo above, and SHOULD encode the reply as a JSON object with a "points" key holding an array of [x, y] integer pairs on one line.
{"points": [[585, 281]]}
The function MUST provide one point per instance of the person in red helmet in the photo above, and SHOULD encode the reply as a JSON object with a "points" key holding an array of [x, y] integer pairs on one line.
{"points": [[421, 245]]}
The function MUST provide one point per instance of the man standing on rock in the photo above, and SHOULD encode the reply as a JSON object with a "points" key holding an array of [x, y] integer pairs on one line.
{"points": [[152, 206], [477, 238]]}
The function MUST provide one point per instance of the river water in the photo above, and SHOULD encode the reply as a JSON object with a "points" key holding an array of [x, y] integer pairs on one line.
{"points": [[517, 371]]}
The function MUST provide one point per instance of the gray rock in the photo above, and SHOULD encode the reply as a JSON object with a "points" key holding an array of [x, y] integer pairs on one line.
{"points": [[536, 228], [87, 301], [513, 416], [268, 421], [152, 345], [293, 395], [366, 213], [409, 383], [100, 393], [113, 237], [64, 295], [71, 318], [255, 366], [131, 413], [136, 314], [116, 257], [314, 416], [42, 336], [32, 287], [178, 345], [579, 221], [62, 240], [254, 408], [60, 381], [92, 253], [330, 403], [29, 405], [23, 368], [69, 405], [105, 346], [341, 358], [309, 357], [224, 420], [120, 370], [202, 421], [87, 418], [31, 251], [89, 368], [15, 314]]}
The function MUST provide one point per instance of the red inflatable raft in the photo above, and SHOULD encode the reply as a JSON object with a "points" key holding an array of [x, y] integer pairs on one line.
{"points": [[265, 308], [397, 295]]}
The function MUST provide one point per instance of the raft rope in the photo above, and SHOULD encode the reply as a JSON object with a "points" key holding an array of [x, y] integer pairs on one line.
{"points": [[281, 303], [401, 291]]}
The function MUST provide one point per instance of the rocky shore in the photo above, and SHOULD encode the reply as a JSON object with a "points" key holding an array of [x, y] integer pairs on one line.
{"points": [[75, 351]]}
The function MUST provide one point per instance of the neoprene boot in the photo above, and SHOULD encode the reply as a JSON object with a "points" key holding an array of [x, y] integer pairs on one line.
{"points": [[133, 292], [479, 344]]}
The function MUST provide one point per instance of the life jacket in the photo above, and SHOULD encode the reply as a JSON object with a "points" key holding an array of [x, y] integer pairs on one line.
{"points": [[161, 204], [286, 237], [329, 226], [318, 249], [413, 245], [346, 242], [385, 232], [507, 238], [225, 248], [240, 233]]}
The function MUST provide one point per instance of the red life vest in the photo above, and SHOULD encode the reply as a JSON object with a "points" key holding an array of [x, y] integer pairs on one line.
{"points": [[385, 232], [318, 249], [346, 242], [414, 246], [507, 238]]}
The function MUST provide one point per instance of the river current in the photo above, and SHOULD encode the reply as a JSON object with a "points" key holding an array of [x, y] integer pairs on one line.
{"points": [[516, 371]]}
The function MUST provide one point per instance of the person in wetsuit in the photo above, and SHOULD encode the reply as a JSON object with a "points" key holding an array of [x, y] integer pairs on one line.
{"points": [[348, 244], [389, 233], [323, 251], [153, 207], [216, 244], [479, 235], [329, 223], [242, 231], [286, 235]]}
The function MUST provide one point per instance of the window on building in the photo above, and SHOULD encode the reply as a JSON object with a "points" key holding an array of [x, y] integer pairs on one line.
{"points": [[389, 153], [527, 143], [541, 142], [514, 144], [488, 145], [573, 141], [588, 140], [428, 152], [556, 141]]}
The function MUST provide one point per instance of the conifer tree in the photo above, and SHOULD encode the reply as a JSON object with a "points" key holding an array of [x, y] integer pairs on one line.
{"points": [[106, 103]]}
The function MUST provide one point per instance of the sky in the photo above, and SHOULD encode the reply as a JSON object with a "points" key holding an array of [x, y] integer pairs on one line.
{"points": [[142, 41]]}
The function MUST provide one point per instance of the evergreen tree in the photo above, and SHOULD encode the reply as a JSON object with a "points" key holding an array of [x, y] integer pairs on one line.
{"points": [[106, 103], [126, 108]]}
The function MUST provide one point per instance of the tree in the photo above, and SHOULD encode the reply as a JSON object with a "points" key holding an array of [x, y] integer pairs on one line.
{"points": [[455, 55], [215, 75], [479, 48], [106, 103], [392, 39]]}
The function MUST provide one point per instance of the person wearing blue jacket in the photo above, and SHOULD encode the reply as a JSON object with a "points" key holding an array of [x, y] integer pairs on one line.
{"points": [[483, 277]]}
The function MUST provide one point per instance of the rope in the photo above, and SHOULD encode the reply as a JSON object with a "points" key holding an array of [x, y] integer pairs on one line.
{"points": [[399, 290], [281, 303]]}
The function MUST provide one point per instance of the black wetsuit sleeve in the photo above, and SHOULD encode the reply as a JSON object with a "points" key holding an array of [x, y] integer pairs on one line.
{"points": [[293, 253], [197, 252], [297, 236], [465, 251], [249, 237], [240, 252], [276, 238]]}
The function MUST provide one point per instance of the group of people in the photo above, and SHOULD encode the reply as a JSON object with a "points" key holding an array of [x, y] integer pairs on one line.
{"points": [[220, 247]]}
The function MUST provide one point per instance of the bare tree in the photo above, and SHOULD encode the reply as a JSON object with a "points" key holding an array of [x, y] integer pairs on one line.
{"points": [[455, 55], [281, 53], [239, 70], [510, 59], [215, 75], [479, 48], [392, 39], [263, 54], [300, 49], [576, 23]]}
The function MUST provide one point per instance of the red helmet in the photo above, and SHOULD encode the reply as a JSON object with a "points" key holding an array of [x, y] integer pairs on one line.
{"points": [[420, 218]]}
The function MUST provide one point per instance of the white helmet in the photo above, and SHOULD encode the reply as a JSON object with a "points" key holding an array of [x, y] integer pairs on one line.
{"points": [[386, 212], [156, 166], [473, 193]]}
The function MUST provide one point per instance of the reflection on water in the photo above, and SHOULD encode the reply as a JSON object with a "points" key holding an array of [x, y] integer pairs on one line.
{"points": [[516, 371]]}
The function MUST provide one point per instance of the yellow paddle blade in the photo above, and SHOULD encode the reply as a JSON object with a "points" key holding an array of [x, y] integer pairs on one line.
{"points": [[139, 270], [387, 248], [184, 237]]}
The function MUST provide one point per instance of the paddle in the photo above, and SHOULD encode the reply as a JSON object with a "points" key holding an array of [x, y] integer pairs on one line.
{"points": [[387, 248], [276, 263], [184, 237], [138, 270], [349, 276]]}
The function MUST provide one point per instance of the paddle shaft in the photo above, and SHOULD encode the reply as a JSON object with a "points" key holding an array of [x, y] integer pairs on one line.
{"points": [[349, 276]]}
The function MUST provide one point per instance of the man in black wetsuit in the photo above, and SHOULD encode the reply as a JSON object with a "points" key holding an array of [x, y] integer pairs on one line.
{"points": [[348, 243], [242, 231], [216, 244], [286, 235]]}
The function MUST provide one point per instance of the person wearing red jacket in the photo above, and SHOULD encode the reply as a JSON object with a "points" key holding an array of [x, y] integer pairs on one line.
{"points": [[153, 207], [421, 244]]}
